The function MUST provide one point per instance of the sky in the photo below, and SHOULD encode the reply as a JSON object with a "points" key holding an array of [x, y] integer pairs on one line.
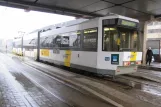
{"points": [[14, 20]]}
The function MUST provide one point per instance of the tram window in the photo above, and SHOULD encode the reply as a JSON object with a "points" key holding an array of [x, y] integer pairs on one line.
{"points": [[74, 40], [65, 40], [32, 41], [129, 40], [119, 39], [111, 39], [35, 42], [56, 41], [90, 39], [46, 42], [42, 41], [32, 45]]}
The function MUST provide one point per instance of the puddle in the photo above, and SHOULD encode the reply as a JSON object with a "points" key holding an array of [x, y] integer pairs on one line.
{"points": [[152, 90]]}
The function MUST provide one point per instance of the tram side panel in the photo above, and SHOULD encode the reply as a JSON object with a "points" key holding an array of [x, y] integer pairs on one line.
{"points": [[76, 59], [49, 56], [84, 60]]}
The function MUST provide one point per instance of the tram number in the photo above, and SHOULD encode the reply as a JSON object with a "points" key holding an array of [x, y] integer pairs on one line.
{"points": [[56, 51], [107, 58]]}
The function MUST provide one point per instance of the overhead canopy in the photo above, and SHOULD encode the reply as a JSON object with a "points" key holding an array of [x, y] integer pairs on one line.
{"points": [[91, 8]]}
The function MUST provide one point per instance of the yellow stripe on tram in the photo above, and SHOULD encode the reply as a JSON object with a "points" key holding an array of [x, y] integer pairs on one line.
{"points": [[45, 52], [133, 56], [67, 58]]}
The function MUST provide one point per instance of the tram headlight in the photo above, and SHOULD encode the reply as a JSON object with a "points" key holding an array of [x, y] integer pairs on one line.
{"points": [[127, 63]]}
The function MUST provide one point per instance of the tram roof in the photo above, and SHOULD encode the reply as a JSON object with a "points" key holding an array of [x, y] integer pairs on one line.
{"points": [[91, 8], [78, 21]]}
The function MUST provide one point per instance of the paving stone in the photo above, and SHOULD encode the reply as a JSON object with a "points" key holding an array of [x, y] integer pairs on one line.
{"points": [[19, 91]]}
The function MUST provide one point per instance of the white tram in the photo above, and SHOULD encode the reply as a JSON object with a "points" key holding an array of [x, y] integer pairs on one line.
{"points": [[17, 46], [107, 45]]}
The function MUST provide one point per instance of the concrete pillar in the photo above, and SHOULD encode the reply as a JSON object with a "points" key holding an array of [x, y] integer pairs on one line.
{"points": [[144, 42], [141, 35]]}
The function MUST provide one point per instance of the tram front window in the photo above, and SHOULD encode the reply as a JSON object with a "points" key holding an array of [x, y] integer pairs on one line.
{"points": [[115, 39], [110, 39], [129, 39]]}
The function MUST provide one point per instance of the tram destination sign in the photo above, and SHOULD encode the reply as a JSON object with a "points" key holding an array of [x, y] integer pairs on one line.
{"points": [[128, 23], [120, 22]]}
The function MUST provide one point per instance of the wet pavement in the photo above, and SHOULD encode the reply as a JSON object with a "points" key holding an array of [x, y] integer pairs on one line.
{"points": [[22, 86], [149, 89], [18, 91], [154, 66]]}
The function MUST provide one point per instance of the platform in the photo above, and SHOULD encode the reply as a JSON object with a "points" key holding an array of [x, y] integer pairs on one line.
{"points": [[153, 66], [16, 90]]}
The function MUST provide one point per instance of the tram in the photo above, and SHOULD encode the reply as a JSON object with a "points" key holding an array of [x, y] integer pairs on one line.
{"points": [[17, 46], [106, 45]]}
